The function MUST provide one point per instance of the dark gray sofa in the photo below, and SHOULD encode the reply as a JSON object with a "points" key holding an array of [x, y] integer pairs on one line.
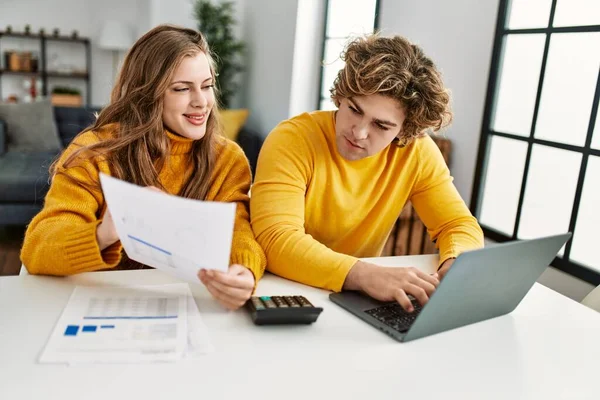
{"points": [[24, 175]]}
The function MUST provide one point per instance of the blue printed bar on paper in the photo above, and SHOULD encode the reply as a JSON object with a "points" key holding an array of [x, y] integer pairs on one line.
{"points": [[71, 330], [107, 326], [150, 245], [89, 328]]}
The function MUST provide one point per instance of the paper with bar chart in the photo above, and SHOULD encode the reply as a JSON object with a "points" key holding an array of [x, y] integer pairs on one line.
{"points": [[104, 324], [128, 325], [170, 233]]}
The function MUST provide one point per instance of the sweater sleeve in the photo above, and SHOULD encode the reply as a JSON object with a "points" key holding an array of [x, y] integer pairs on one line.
{"points": [[277, 206], [234, 181], [439, 205], [61, 238]]}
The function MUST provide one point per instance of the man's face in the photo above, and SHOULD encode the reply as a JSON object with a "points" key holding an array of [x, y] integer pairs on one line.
{"points": [[365, 125]]}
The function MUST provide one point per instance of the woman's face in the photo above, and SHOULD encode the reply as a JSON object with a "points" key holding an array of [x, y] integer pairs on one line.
{"points": [[365, 125], [190, 98]]}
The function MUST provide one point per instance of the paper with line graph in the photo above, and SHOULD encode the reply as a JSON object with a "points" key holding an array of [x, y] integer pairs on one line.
{"points": [[177, 235]]}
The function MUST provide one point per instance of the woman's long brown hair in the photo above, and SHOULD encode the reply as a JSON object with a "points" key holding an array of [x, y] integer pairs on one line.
{"points": [[138, 146]]}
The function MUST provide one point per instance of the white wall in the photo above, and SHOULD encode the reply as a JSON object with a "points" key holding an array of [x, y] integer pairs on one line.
{"points": [[178, 12], [458, 35], [269, 31], [86, 16], [307, 56], [145, 16]]}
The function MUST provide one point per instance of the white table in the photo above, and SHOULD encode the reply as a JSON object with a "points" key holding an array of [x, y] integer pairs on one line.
{"points": [[548, 348]]}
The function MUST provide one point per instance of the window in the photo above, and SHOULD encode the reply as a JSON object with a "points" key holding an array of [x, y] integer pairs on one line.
{"points": [[538, 168], [343, 19]]}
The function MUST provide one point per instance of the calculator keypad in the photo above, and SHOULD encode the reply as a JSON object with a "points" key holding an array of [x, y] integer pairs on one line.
{"points": [[280, 301], [268, 302], [303, 302], [262, 302], [270, 310], [258, 305], [291, 301]]}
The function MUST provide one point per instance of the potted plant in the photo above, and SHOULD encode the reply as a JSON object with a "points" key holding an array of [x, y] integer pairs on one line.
{"points": [[66, 96], [216, 22]]}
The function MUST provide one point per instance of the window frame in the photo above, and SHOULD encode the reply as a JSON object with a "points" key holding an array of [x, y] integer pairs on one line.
{"points": [[324, 40], [564, 264]]}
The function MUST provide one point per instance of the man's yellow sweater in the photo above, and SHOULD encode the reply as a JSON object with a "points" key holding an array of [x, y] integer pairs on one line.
{"points": [[315, 213], [61, 239]]}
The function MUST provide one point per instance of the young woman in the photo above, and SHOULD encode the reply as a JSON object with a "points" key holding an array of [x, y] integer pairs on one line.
{"points": [[161, 130], [330, 185]]}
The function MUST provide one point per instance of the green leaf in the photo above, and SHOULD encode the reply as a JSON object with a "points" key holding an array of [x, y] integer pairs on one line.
{"points": [[216, 22]]}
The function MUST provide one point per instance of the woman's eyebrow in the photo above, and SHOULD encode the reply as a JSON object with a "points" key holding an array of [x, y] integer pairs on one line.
{"points": [[190, 82]]}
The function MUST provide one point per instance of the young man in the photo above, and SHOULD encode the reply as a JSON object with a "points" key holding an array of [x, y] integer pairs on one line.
{"points": [[331, 184]]}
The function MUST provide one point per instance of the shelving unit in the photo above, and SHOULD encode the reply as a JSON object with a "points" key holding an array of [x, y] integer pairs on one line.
{"points": [[43, 72]]}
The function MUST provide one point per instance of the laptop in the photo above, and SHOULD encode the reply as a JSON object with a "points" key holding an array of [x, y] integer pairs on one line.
{"points": [[481, 284]]}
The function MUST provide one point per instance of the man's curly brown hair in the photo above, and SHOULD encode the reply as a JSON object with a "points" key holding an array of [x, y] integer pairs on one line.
{"points": [[396, 68]]}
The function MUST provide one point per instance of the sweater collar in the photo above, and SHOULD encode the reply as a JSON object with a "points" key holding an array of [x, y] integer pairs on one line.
{"points": [[179, 144]]}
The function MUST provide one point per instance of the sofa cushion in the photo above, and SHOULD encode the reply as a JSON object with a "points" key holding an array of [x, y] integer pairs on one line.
{"points": [[2, 137], [24, 176], [233, 121], [30, 126], [251, 142], [70, 121]]}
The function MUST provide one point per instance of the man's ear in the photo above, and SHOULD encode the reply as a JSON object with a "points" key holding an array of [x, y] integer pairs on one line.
{"points": [[399, 141]]}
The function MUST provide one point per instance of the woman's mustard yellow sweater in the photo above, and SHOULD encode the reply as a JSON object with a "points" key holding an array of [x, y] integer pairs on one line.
{"points": [[61, 239]]}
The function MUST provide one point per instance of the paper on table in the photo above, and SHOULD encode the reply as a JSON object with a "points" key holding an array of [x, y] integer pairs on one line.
{"points": [[121, 324], [177, 235], [199, 342], [128, 324]]}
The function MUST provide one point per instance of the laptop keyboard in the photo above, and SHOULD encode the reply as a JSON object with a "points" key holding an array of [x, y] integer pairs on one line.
{"points": [[394, 316]]}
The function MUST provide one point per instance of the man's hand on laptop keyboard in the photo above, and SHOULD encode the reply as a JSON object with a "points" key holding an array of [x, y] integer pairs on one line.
{"points": [[443, 270], [389, 284]]}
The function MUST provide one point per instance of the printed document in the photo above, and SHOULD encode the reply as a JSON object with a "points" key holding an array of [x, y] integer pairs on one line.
{"points": [[176, 235], [128, 324]]}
